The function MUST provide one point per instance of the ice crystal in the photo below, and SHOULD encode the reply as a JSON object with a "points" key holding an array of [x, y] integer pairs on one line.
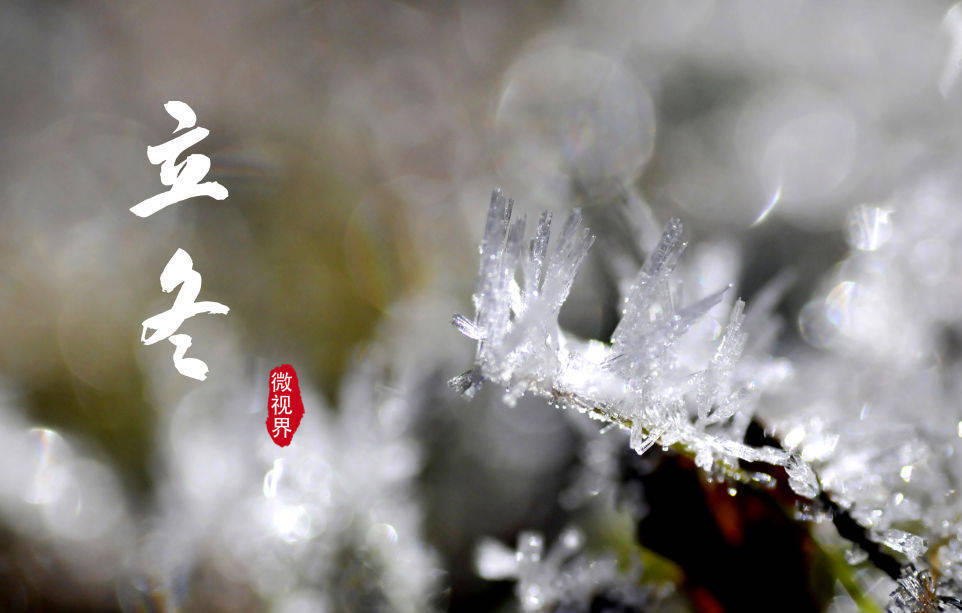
{"points": [[915, 594], [905, 543], [560, 579], [801, 477], [646, 380], [918, 592]]}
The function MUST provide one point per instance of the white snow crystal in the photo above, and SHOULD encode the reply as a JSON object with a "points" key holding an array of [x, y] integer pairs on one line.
{"points": [[646, 380]]}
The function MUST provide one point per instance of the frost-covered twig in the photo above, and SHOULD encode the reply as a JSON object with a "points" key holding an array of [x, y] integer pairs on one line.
{"points": [[647, 380], [662, 378]]}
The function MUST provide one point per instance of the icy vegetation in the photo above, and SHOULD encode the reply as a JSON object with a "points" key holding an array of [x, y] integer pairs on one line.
{"points": [[875, 409], [563, 579], [326, 523], [846, 439], [811, 147], [662, 386]]}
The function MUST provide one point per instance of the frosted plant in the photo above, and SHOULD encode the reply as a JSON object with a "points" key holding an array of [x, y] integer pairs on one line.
{"points": [[353, 482], [876, 410], [328, 523], [563, 579], [648, 381], [667, 382], [918, 592]]}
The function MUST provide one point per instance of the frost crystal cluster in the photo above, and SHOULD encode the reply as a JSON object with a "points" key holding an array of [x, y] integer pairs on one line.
{"points": [[562, 579], [867, 427], [874, 407], [326, 523], [665, 382]]}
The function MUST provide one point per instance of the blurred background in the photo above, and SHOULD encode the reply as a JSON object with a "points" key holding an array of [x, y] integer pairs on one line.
{"points": [[359, 143]]}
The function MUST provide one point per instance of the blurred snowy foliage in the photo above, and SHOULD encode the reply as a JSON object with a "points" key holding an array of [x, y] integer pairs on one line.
{"points": [[329, 523], [563, 578]]}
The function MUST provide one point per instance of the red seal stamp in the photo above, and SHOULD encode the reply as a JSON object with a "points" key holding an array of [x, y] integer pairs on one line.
{"points": [[284, 406]]}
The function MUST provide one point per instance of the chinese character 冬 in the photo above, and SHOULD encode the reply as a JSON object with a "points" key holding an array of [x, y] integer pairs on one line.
{"points": [[184, 179], [180, 271]]}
